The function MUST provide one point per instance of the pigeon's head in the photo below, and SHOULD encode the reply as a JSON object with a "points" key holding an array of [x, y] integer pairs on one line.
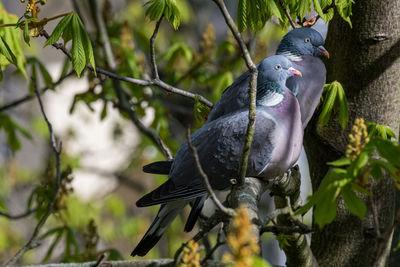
{"points": [[302, 41], [276, 69]]}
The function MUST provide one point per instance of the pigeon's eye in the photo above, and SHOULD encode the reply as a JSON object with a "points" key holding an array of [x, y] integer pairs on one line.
{"points": [[307, 40], [277, 67]]}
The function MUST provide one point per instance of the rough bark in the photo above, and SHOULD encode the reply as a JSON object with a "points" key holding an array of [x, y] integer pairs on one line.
{"points": [[365, 59]]}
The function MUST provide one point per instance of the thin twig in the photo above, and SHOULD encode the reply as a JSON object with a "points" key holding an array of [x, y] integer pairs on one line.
{"points": [[30, 96], [313, 20], [204, 178], [152, 49], [219, 243], [159, 83], [32, 243], [375, 216], [211, 222], [287, 12], [124, 103], [103, 257], [253, 90], [41, 22], [19, 216]]}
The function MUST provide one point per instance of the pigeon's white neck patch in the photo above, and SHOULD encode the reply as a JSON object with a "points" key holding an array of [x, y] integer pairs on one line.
{"points": [[272, 99], [291, 57]]}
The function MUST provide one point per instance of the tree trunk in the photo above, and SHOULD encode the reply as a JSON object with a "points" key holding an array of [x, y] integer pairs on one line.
{"points": [[365, 59]]}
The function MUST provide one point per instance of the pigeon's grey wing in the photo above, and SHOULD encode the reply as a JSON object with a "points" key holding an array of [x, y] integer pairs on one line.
{"points": [[219, 144], [234, 98], [158, 167], [170, 191], [309, 87]]}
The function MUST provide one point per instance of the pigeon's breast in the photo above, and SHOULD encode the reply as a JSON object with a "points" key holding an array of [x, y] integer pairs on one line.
{"points": [[288, 136]]}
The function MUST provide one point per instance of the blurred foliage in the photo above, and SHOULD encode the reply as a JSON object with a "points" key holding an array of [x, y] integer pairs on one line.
{"points": [[202, 62], [369, 156]]}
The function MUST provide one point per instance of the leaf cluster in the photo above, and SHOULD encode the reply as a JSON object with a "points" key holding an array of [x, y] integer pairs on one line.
{"points": [[71, 28], [350, 179]]}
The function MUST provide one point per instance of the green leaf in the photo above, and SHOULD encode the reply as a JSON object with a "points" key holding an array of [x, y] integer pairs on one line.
{"points": [[59, 233], [379, 130], [329, 102], [340, 162], [78, 50], [325, 208], [58, 30], [242, 15], [355, 204], [6, 51], [155, 9], [26, 33], [343, 106], [11, 36], [87, 45], [390, 151]]}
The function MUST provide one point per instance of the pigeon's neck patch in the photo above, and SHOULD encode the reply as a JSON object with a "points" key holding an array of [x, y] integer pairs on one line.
{"points": [[269, 94], [288, 50]]}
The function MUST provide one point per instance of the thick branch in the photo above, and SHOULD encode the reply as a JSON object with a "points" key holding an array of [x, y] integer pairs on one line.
{"points": [[205, 180], [287, 187], [253, 90], [32, 243]]}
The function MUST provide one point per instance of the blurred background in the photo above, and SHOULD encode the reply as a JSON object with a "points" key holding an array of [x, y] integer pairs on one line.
{"points": [[103, 151]]}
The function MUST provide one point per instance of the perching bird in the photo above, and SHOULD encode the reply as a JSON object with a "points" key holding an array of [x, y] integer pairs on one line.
{"points": [[303, 47], [276, 146]]}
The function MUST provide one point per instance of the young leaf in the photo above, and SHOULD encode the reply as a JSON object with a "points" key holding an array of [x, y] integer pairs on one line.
{"points": [[155, 9], [343, 106], [78, 50], [58, 30], [355, 204], [340, 162], [329, 102], [6, 51], [26, 33], [242, 15], [87, 45]]}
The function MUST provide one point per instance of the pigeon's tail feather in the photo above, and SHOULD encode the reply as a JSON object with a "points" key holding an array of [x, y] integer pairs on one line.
{"points": [[158, 167], [195, 213], [163, 220]]}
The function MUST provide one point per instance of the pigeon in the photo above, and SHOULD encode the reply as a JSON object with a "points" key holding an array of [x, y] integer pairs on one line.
{"points": [[276, 146], [303, 47]]}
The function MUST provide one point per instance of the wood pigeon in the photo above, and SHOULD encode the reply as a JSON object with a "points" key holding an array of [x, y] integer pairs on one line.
{"points": [[303, 47], [276, 146]]}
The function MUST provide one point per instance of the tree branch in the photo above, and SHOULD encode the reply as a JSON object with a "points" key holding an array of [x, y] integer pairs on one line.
{"points": [[152, 49], [32, 243], [122, 96], [29, 97], [159, 83], [204, 178], [287, 12], [253, 90], [19, 216], [285, 188], [209, 224]]}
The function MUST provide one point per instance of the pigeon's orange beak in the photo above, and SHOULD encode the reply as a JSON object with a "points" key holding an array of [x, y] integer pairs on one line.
{"points": [[295, 72], [323, 51]]}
